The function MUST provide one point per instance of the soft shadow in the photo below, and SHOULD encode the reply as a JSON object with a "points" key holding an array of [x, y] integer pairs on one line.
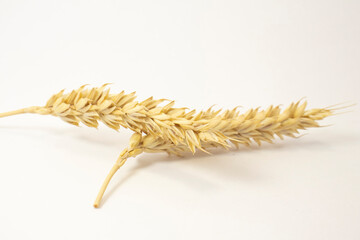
{"points": [[221, 164]]}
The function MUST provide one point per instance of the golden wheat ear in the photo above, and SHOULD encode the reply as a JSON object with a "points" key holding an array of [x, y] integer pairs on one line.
{"points": [[174, 130]]}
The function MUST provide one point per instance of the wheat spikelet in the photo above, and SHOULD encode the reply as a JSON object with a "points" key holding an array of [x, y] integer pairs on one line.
{"points": [[173, 130]]}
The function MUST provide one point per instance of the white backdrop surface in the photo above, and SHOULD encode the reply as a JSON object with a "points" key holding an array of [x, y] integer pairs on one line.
{"points": [[199, 53]]}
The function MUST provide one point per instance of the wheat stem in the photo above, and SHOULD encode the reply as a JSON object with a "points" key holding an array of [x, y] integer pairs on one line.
{"points": [[11, 113], [107, 181], [34, 109]]}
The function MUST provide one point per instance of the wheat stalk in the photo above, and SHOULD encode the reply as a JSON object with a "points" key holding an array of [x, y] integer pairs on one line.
{"points": [[174, 130]]}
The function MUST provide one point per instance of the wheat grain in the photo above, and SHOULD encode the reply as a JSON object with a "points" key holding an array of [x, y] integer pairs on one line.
{"points": [[174, 130]]}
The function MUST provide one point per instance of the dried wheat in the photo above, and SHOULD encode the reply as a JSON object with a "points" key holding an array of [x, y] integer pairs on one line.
{"points": [[174, 130]]}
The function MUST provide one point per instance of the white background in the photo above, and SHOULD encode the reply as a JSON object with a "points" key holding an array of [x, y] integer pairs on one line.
{"points": [[199, 53]]}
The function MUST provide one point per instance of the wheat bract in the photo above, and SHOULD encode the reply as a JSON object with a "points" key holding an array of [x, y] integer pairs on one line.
{"points": [[160, 127]]}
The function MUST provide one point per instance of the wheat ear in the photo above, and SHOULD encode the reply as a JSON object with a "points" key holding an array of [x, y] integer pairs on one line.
{"points": [[164, 128]]}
